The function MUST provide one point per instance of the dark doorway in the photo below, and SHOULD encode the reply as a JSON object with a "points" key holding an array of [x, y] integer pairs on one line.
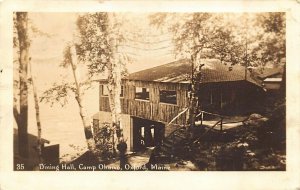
{"points": [[146, 133]]}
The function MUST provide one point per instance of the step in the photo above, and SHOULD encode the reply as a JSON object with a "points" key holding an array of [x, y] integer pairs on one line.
{"points": [[173, 140], [168, 141], [180, 135], [182, 131], [167, 144], [166, 149]]}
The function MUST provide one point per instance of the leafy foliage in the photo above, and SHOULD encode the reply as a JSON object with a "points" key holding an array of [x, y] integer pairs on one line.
{"points": [[58, 93], [95, 45], [104, 141], [233, 38], [67, 58], [272, 44]]}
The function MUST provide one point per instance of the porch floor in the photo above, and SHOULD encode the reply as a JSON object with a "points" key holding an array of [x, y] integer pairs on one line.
{"points": [[228, 123]]}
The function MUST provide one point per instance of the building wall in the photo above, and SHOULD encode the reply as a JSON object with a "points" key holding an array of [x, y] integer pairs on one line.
{"points": [[272, 85], [151, 109], [229, 98]]}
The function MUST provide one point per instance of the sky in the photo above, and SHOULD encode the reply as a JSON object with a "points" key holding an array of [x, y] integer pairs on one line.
{"points": [[62, 26], [59, 25]]}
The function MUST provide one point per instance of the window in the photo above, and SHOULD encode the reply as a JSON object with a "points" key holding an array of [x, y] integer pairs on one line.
{"points": [[141, 93], [122, 91], [169, 97], [105, 90]]}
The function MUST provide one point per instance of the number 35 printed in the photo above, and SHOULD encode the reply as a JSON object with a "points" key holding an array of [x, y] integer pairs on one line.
{"points": [[20, 167]]}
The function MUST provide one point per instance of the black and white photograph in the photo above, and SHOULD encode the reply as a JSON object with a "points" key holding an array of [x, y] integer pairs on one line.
{"points": [[149, 91], [156, 90]]}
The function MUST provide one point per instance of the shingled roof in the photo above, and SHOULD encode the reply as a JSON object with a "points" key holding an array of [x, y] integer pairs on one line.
{"points": [[269, 72], [179, 72]]}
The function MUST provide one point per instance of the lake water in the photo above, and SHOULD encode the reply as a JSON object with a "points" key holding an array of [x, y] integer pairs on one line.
{"points": [[60, 125]]}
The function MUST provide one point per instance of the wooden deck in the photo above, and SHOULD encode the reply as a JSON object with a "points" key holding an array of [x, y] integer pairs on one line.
{"points": [[225, 126], [220, 122]]}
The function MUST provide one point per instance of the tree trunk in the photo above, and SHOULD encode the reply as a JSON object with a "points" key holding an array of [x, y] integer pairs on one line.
{"points": [[192, 102], [22, 117], [37, 116], [195, 83], [114, 81], [78, 95], [114, 88]]}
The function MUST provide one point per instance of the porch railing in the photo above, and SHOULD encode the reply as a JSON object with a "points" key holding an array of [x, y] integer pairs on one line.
{"points": [[219, 122]]}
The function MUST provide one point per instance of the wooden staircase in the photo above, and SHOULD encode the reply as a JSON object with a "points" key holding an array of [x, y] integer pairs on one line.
{"points": [[172, 147], [175, 140], [178, 144]]}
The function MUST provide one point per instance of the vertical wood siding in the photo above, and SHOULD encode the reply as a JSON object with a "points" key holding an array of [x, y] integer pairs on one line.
{"points": [[152, 109]]}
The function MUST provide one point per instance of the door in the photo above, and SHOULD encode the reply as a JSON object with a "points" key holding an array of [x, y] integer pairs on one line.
{"points": [[146, 133]]}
